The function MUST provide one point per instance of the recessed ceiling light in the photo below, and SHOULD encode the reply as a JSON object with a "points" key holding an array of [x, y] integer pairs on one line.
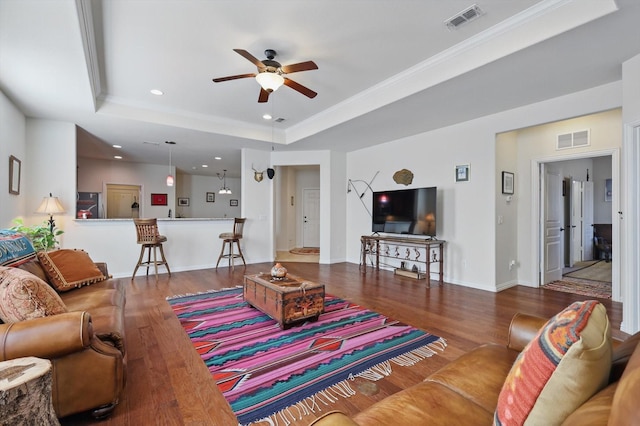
{"points": [[117, 146], [205, 165], [267, 116], [118, 157], [157, 92], [217, 158]]}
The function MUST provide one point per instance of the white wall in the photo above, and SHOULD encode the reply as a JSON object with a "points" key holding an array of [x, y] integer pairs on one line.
{"points": [[506, 212], [12, 142], [195, 187]]}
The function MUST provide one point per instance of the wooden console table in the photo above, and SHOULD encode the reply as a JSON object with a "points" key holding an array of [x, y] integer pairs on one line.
{"points": [[403, 249]]}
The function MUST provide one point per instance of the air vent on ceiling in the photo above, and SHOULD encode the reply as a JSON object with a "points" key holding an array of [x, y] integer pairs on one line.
{"points": [[279, 120], [573, 140], [469, 14]]}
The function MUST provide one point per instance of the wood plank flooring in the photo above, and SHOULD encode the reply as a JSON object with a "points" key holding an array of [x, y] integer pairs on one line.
{"points": [[168, 384]]}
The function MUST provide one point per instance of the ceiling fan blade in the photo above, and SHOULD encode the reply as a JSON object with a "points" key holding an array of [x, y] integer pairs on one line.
{"points": [[302, 66], [257, 62], [233, 77], [264, 96], [300, 88]]}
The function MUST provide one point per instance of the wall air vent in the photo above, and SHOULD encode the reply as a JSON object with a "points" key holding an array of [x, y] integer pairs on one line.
{"points": [[469, 14], [573, 140]]}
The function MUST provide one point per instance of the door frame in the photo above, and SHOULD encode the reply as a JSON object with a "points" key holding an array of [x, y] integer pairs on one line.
{"points": [[537, 204]]}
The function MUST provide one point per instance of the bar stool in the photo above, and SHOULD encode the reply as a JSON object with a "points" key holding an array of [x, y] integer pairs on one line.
{"points": [[230, 238], [149, 237]]}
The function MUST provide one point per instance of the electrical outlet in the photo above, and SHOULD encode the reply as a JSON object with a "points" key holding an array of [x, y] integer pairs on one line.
{"points": [[512, 264]]}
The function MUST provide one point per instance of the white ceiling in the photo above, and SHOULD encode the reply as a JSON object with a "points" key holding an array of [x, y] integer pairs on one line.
{"points": [[387, 68]]}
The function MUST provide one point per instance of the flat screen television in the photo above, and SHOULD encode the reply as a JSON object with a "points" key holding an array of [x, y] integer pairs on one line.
{"points": [[405, 211]]}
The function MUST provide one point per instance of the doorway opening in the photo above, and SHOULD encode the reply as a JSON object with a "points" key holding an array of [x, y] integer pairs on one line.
{"points": [[575, 207], [123, 201], [297, 214]]}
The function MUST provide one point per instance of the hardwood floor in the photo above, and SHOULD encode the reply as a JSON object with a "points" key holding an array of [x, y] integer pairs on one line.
{"points": [[168, 384]]}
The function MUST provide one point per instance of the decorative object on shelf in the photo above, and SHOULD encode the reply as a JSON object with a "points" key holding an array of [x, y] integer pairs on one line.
{"points": [[211, 197], [462, 173], [233, 203], [403, 177], [278, 271], [170, 179], [14, 175], [183, 202], [158, 199], [50, 205], [223, 178], [507, 183]]}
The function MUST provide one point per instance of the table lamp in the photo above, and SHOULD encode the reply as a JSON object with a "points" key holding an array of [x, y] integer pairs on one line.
{"points": [[50, 205]]}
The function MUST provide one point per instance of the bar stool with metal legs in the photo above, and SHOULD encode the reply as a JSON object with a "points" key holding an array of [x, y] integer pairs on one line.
{"points": [[230, 238], [150, 238]]}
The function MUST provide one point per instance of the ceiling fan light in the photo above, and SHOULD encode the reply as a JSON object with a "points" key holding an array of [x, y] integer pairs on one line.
{"points": [[270, 81]]}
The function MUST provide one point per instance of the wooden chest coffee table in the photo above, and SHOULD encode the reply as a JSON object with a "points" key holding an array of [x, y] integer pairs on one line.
{"points": [[286, 300]]}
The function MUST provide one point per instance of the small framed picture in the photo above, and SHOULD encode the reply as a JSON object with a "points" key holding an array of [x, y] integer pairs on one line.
{"points": [[507, 183], [14, 175], [233, 203], [211, 197], [462, 173], [183, 202], [158, 199]]}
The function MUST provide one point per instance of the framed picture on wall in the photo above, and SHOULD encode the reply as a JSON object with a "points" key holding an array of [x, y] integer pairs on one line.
{"points": [[233, 203], [183, 202], [462, 173], [158, 199], [507, 183], [14, 175], [211, 197]]}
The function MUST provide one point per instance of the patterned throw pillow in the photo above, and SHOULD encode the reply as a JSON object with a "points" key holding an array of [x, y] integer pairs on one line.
{"points": [[563, 366], [15, 248], [24, 296], [67, 269]]}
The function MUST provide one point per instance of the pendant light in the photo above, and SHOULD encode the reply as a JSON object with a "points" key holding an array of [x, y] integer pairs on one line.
{"points": [[170, 179], [224, 189]]}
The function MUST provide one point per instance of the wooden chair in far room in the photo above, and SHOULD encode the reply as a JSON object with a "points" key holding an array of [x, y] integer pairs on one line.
{"points": [[230, 238], [150, 238]]}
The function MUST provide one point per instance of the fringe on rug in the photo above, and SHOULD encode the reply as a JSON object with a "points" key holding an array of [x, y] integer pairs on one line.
{"points": [[325, 398], [178, 296]]}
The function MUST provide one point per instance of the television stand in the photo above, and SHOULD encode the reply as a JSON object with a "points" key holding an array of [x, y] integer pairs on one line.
{"points": [[417, 250]]}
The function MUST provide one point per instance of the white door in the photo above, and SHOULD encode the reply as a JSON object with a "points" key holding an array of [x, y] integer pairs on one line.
{"points": [[311, 218], [575, 227], [552, 219], [587, 221]]}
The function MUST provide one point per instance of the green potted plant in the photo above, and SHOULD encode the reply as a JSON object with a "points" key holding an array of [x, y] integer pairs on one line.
{"points": [[42, 236]]}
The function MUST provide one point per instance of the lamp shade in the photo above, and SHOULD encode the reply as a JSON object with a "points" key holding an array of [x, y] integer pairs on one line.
{"points": [[270, 81], [50, 205], [169, 180]]}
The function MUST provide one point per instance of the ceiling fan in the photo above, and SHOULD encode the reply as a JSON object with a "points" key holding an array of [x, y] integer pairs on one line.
{"points": [[271, 74]]}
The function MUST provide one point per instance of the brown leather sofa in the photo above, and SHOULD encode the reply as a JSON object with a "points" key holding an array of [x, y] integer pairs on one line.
{"points": [[465, 392], [85, 345]]}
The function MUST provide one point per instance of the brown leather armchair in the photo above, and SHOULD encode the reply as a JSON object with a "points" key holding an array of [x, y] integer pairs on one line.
{"points": [[87, 373]]}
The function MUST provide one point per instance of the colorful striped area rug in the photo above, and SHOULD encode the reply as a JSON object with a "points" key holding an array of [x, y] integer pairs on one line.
{"points": [[265, 372]]}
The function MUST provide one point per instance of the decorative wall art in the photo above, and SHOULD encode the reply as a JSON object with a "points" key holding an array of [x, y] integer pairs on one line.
{"points": [[607, 190], [462, 173], [158, 199], [14, 175], [403, 177], [507, 183], [211, 197], [183, 202]]}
